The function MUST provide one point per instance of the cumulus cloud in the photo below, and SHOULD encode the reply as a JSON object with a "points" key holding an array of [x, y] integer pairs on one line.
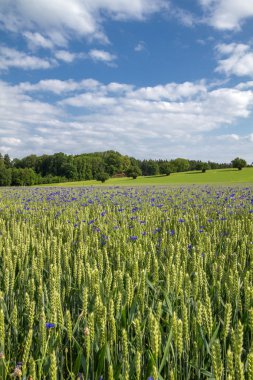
{"points": [[143, 122], [66, 56], [102, 56], [231, 137], [237, 59], [59, 20], [245, 85], [140, 46], [227, 14], [36, 40], [13, 58], [58, 86]]}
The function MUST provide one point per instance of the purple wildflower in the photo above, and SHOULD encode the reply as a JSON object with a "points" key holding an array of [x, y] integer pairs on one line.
{"points": [[50, 325]]}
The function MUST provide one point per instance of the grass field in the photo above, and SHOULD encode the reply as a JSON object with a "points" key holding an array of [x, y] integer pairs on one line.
{"points": [[221, 176]]}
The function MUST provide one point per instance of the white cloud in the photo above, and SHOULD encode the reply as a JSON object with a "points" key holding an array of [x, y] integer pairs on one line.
{"points": [[10, 141], [159, 121], [238, 59], [38, 40], [14, 58], [227, 14], [59, 20], [170, 91], [231, 137], [90, 100], [185, 17], [140, 46], [245, 85], [102, 56], [59, 87], [66, 56]]}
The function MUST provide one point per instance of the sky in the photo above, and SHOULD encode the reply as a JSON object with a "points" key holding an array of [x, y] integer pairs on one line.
{"points": [[156, 79]]}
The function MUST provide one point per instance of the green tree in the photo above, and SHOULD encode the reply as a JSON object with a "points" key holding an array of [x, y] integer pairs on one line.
{"points": [[181, 164], [5, 176], [205, 167], [133, 171], [7, 161], [166, 168], [238, 163], [149, 167], [102, 177]]}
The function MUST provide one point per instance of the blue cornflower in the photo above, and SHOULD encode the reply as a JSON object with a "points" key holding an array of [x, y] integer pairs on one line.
{"points": [[50, 325], [133, 238]]}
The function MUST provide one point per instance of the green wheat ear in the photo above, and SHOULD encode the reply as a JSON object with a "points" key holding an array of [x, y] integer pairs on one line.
{"points": [[216, 360], [250, 366], [2, 331], [53, 366]]}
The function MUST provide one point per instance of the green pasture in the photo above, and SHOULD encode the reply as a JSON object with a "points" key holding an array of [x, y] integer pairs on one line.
{"points": [[219, 176]]}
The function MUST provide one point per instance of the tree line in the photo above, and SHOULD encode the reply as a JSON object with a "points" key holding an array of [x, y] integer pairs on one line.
{"points": [[60, 167]]}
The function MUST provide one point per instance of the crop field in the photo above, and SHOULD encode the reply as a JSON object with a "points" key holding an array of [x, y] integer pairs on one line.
{"points": [[126, 283]]}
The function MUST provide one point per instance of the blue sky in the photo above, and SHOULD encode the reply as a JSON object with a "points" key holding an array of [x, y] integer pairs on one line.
{"points": [[148, 78]]}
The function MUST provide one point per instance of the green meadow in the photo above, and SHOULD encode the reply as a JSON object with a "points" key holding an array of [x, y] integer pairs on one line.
{"points": [[219, 177]]}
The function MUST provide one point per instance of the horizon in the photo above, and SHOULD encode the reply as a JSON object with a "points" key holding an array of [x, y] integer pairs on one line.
{"points": [[148, 79]]}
